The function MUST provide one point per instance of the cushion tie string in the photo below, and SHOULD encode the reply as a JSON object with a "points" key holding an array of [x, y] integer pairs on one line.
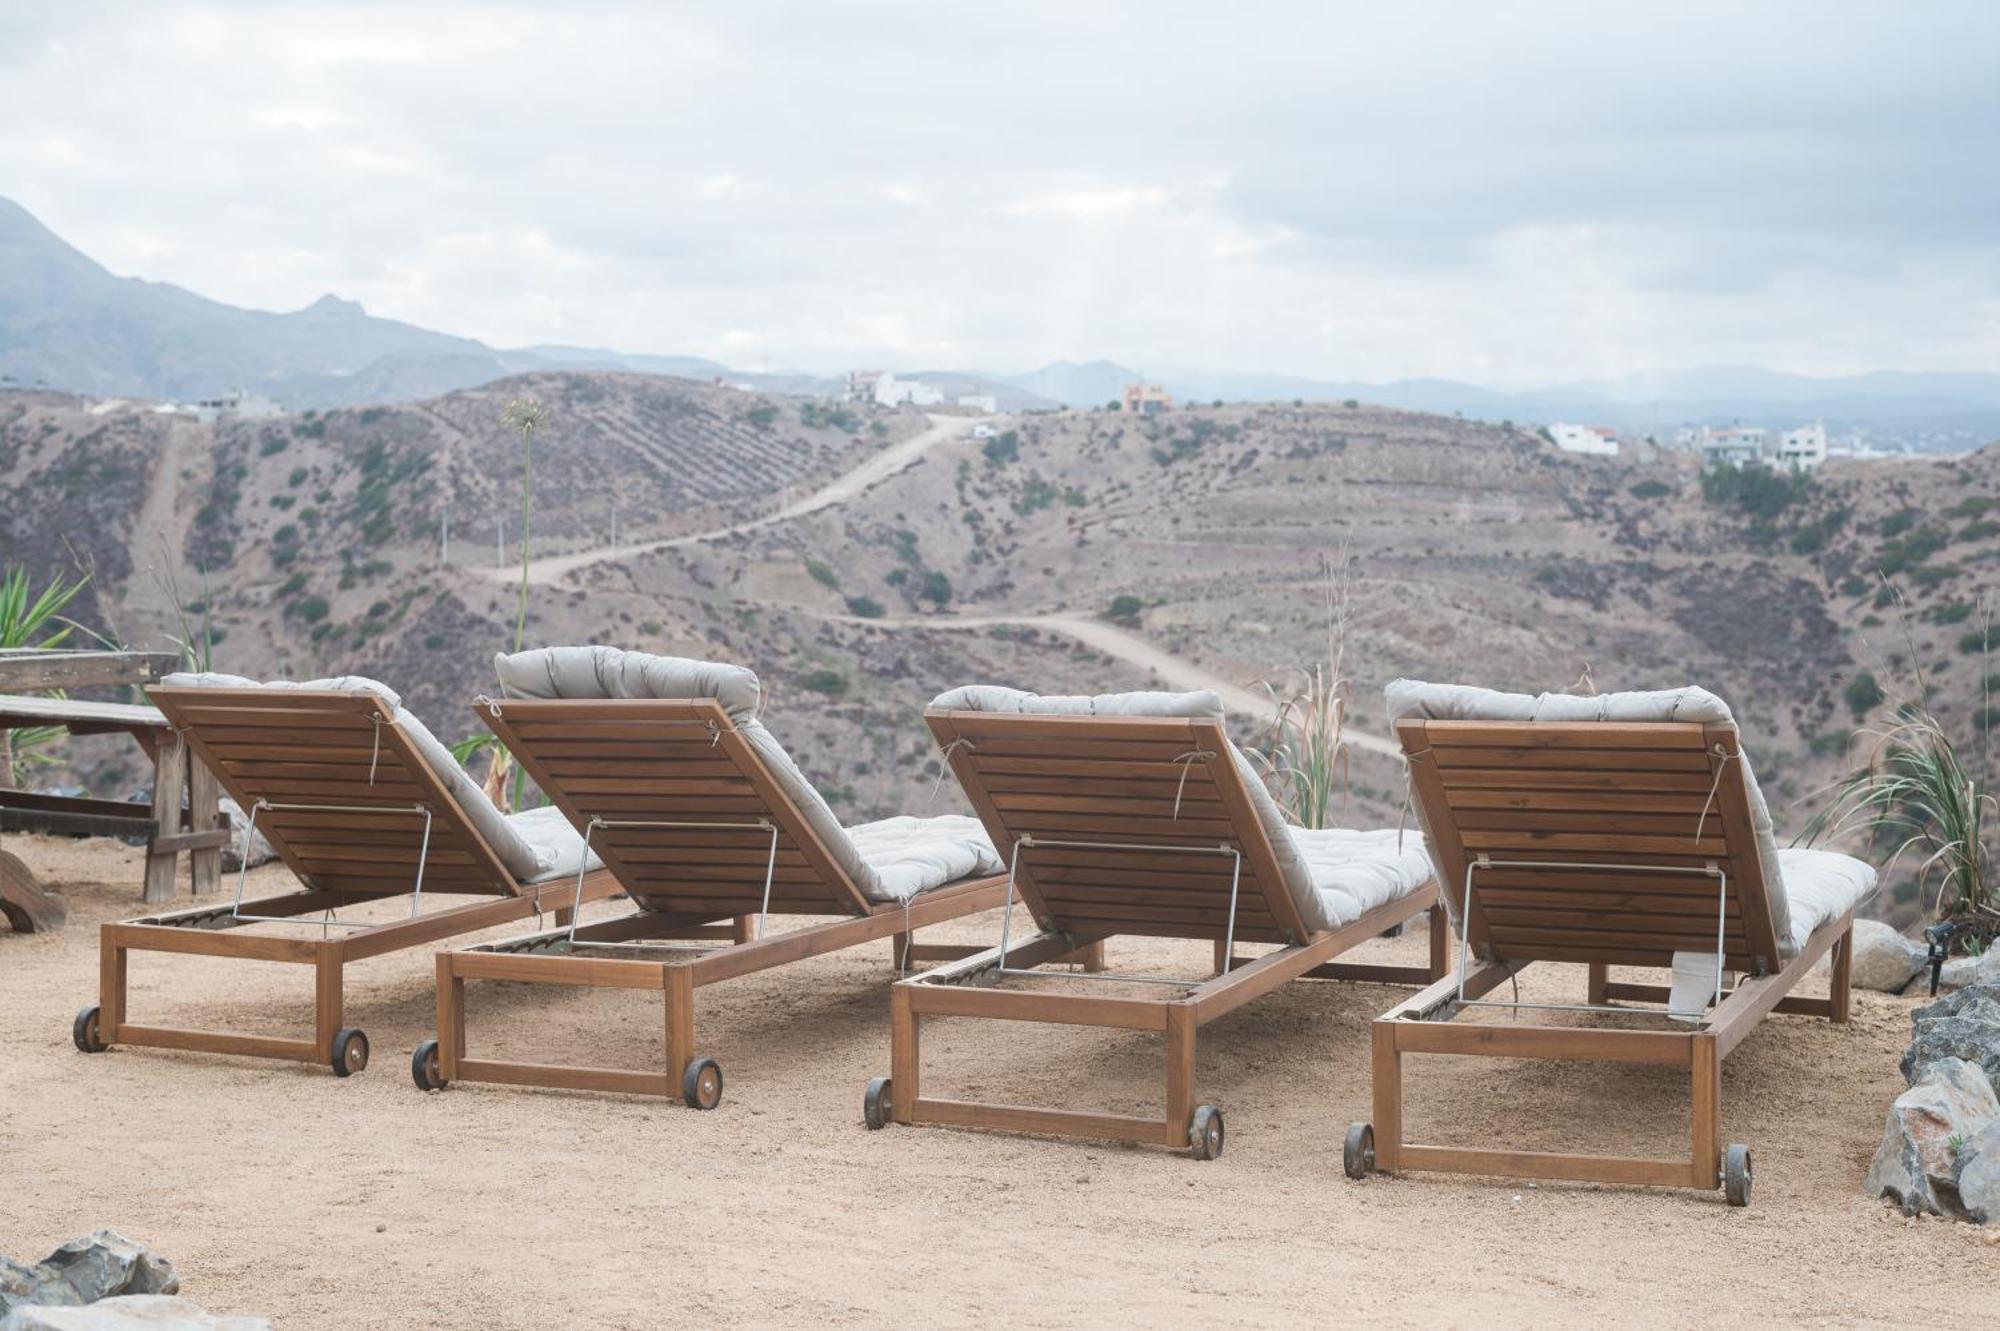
{"points": [[1724, 756], [1409, 794], [491, 704], [714, 734], [375, 753], [1186, 761], [944, 765]]}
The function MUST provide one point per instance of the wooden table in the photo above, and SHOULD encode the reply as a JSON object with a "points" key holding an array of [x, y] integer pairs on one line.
{"points": [[169, 829]]}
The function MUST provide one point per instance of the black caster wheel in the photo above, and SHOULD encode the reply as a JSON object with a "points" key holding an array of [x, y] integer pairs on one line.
{"points": [[701, 1083], [1736, 1175], [85, 1031], [1205, 1133], [348, 1053], [875, 1104], [424, 1068], [1357, 1153]]}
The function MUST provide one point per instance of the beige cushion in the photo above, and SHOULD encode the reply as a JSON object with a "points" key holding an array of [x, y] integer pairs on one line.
{"points": [[1329, 876], [912, 855], [521, 858], [1459, 702]]}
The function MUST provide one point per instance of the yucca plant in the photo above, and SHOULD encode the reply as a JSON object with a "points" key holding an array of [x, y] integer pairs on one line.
{"points": [[31, 619], [1915, 792], [1304, 754]]}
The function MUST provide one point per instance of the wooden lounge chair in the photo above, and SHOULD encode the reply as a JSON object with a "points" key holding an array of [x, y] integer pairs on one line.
{"points": [[1134, 814], [1622, 829], [710, 828], [364, 805]]}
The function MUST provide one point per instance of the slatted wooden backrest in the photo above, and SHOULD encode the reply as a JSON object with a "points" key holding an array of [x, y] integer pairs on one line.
{"points": [[1593, 792], [1151, 781], [674, 761], [295, 746]]}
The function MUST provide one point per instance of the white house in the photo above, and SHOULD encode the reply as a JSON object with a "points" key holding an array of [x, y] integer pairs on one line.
{"points": [[1804, 448], [1589, 439], [984, 402], [241, 404], [893, 392], [1736, 446]]}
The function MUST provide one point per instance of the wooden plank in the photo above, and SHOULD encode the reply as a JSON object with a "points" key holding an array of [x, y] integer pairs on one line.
{"points": [[1132, 1014], [593, 972], [569, 1078], [1658, 1048], [1056, 1122], [220, 1042], [1541, 1165], [33, 669]]}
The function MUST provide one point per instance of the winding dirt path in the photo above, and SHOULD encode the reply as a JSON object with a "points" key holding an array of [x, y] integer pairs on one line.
{"points": [[842, 488], [1174, 671]]}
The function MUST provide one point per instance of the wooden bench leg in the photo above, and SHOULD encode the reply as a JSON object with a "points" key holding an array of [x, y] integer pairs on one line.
{"points": [[679, 1021], [1440, 942], [111, 968], [899, 952], [204, 815], [1180, 1068], [902, 1055], [1706, 1078], [1090, 957], [1387, 1070], [1600, 978], [170, 765], [1220, 958], [450, 1018], [745, 929], [1840, 997]]}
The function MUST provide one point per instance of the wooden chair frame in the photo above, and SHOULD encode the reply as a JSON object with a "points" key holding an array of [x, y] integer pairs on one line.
{"points": [[1524, 816], [347, 779], [695, 827], [1134, 808]]}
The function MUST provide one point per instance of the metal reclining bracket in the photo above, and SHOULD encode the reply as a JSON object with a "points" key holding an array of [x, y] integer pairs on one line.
{"points": [[583, 870], [1485, 861], [328, 921], [1031, 842]]}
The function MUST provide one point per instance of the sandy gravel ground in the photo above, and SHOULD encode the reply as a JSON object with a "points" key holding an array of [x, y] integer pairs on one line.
{"points": [[278, 1189]]}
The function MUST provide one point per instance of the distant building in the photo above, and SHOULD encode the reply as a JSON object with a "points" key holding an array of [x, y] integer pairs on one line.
{"points": [[239, 405], [893, 392], [1736, 446], [1146, 399], [1593, 440], [1804, 448], [983, 432], [861, 385], [985, 402]]}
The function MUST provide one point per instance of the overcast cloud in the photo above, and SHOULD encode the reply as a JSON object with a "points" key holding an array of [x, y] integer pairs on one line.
{"points": [[1347, 191]]}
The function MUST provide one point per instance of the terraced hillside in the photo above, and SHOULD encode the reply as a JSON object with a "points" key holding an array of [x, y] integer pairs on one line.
{"points": [[1478, 553]]}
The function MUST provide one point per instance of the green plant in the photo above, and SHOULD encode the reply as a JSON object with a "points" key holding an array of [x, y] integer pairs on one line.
{"points": [[1863, 693], [829, 682], [1916, 790], [35, 621], [823, 573], [864, 607], [1651, 490], [1304, 753], [1125, 607]]}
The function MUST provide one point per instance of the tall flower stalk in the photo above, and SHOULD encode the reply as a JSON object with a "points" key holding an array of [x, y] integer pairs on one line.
{"points": [[1305, 754], [525, 416]]}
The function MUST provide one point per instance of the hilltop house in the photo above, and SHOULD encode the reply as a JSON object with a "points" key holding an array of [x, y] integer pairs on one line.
{"points": [[1801, 449], [239, 405], [1594, 440], [1804, 448], [1146, 399]]}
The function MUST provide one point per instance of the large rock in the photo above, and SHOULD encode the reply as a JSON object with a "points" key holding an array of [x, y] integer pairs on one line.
{"points": [[232, 851], [1979, 1175], [86, 1270], [1884, 960], [1964, 1024], [1925, 1141], [129, 1312], [1962, 972]]}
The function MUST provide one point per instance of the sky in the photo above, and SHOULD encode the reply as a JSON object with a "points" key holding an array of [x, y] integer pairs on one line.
{"points": [[1515, 195]]}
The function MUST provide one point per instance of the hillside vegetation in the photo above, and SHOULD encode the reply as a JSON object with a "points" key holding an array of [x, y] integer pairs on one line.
{"points": [[1480, 552]]}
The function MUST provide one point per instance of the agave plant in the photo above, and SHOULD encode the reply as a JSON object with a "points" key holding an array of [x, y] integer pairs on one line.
{"points": [[30, 619], [1915, 790]]}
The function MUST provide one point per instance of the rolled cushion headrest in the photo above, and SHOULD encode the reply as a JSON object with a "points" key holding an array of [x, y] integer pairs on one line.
{"points": [[612, 672], [1413, 698], [994, 698]]}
